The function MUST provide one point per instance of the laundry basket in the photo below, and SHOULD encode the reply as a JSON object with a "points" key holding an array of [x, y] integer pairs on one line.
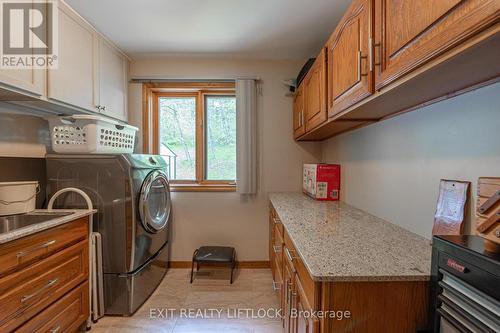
{"points": [[91, 134]]}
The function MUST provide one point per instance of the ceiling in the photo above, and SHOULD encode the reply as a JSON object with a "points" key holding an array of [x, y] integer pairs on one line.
{"points": [[262, 29]]}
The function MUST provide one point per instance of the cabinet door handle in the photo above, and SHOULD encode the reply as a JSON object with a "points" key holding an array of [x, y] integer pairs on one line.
{"points": [[290, 297], [379, 48], [302, 118], [289, 293], [56, 329], [289, 255], [360, 59], [276, 220], [370, 53], [277, 249], [39, 291], [23, 253], [276, 286]]}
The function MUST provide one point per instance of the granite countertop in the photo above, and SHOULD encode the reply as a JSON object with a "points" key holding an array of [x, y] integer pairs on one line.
{"points": [[338, 242], [50, 223]]}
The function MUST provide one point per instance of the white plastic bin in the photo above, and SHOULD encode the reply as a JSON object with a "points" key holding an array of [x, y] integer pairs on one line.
{"points": [[18, 197]]}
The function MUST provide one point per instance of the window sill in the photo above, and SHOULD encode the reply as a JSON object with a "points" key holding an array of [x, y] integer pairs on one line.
{"points": [[202, 187]]}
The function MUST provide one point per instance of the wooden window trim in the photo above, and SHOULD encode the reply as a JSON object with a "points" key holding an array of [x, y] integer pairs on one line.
{"points": [[151, 93]]}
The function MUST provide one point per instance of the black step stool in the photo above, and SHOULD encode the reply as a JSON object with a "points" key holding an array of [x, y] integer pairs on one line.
{"points": [[214, 255]]}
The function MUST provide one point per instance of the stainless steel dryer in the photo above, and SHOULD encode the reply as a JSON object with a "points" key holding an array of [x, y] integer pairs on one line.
{"points": [[132, 196]]}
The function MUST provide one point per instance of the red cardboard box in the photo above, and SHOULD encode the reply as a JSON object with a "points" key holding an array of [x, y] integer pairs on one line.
{"points": [[322, 181]]}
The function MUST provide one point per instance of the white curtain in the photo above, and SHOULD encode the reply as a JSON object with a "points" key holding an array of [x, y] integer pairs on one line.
{"points": [[246, 136]]}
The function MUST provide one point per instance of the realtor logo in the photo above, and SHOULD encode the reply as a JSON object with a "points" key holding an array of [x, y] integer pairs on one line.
{"points": [[29, 34]]}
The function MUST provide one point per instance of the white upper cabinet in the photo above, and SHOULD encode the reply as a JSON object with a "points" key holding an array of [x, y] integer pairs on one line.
{"points": [[30, 81], [72, 82], [91, 76], [113, 72]]}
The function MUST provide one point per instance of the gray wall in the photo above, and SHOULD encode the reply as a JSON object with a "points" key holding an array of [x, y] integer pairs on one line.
{"points": [[22, 135], [23, 144], [25, 169], [392, 169]]}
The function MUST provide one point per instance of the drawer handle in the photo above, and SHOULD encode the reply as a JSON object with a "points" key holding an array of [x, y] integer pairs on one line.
{"points": [[55, 330], [276, 286], [276, 220], [289, 292], [289, 255], [21, 254], [277, 249], [39, 291]]}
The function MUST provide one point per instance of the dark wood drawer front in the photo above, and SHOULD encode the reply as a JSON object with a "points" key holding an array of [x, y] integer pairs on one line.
{"points": [[25, 293], [21, 252], [66, 315]]}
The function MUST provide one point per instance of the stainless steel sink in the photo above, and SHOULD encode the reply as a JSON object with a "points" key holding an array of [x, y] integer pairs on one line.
{"points": [[14, 222]]}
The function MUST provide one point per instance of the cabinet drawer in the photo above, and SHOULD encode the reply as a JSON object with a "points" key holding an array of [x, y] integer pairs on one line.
{"points": [[311, 288], [25, 293], [26, 250], [66, 315]]}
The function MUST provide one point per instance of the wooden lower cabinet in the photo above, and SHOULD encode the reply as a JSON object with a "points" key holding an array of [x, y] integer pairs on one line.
{"points": [[289, 295], [65, 315], [305, 322], [376, 306], [51, 292], [310, 306]]}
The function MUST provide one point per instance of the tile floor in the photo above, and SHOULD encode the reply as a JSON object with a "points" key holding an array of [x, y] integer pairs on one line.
{"points": [[209, 293]]}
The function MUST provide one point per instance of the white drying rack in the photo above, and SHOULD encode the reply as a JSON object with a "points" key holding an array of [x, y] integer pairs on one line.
{"points": [[95, 260]]}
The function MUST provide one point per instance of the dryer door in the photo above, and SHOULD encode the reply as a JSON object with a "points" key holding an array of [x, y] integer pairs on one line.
{"points": [[154, 202]]}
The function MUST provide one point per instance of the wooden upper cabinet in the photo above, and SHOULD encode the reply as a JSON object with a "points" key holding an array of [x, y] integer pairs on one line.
{"points": [[299, 127], [113, 68], [315, 93], [73, 82], [350, 65], [409, 33]]}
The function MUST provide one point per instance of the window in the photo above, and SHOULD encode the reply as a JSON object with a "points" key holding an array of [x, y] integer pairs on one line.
{"points": [[195, 130], [220, 140]]}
